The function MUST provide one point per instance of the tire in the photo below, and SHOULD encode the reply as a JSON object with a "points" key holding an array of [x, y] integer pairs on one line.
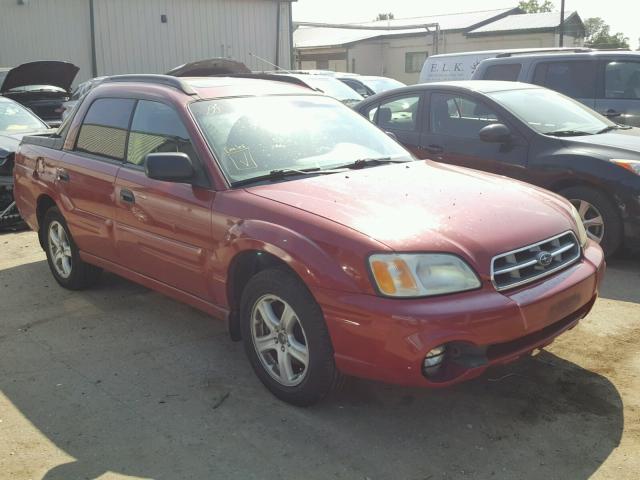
{"points": [[300, 323], [63, 255], [597, 204]]}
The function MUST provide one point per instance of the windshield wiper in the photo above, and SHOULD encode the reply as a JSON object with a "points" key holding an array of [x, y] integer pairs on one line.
{"points": [[370, 162], [279, 174], [613, 127], [568, 133]]}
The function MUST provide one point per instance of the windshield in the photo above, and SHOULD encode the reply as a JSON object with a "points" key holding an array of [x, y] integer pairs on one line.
{"points": [[14, 118], [547, 111], [253, 136], [332, 87], [381, 84]]}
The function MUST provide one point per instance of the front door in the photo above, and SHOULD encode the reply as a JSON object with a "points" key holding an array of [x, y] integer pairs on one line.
{"points": [[453, 129], [620, 99], [85, 178], [163, 229]]}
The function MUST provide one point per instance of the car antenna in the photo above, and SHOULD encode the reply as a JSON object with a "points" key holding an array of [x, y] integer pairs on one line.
{"points": [[268, 62]]}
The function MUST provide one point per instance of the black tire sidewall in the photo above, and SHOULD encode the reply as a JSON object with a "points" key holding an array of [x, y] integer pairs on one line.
{"points": [[612, 221], [321, 375]]}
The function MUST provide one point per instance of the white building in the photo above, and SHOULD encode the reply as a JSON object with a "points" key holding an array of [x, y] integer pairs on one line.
{"points": [[105, 37], [400, 54]]}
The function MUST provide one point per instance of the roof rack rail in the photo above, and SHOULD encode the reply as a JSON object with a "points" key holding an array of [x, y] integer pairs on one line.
{"points": [[165, 80], [546, 50]]}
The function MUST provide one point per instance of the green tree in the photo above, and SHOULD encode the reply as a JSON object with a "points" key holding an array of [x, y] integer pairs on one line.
{"points": [[598, 35], [385, 16], [535, 6]]}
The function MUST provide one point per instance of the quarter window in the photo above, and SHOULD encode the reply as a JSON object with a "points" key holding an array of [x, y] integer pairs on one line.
{"points": [[622, 80], [459, 116], [398, 114], [156, 127], [574, 79], [104, 128]]}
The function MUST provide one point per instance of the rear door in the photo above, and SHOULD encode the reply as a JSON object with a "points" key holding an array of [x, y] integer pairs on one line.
{"points": [[574, 78], [452, 128], [163, 229], [402, 116], [619, 99], [85, 178]]}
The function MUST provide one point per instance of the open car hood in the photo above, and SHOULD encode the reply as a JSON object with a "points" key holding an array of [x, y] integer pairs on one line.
{"points": [[57, 74], [210, 67]]}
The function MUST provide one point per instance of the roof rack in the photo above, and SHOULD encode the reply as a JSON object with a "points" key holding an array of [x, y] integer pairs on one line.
{"points": [[545, 50], [165, 80]]}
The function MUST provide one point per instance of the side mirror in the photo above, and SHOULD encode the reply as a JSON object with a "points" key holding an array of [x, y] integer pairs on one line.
{"points": [[169, 167], [495, 133]]}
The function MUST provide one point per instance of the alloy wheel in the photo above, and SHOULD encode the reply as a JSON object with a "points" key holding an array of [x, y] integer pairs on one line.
{"points": [[591, 219], [279, 340], [60, 249]]}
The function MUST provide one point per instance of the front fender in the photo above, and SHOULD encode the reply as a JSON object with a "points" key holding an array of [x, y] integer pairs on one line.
{"points": [[307, 258]]}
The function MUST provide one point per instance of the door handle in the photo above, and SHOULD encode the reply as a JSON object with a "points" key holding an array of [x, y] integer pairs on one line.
{"points": [[612, 113], [62, 175], [127, 196], [433, 148]]}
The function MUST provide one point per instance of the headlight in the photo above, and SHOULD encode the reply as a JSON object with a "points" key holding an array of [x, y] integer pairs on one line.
{"points": [[420, 275], [582, 232], [631, 165]]}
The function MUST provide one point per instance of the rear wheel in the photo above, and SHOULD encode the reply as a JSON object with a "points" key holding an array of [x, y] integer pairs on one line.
{"points": [[599, 216], [63, 256], [286, 339]]}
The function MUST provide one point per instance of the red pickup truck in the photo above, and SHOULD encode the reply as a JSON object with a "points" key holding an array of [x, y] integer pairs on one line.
{"points": [[327, 248]]}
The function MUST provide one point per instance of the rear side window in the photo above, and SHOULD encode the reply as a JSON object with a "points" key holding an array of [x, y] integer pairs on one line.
{"points": [[507, 72], [622, 80], [156, 128], [104, 128], [574, 79]]}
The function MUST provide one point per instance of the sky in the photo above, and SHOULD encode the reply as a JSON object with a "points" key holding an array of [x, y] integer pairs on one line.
{"points": [[621, 15]]}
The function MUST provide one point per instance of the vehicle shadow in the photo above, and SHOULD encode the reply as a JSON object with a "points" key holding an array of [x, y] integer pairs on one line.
{"points": [[622, 279], [125, 380]]}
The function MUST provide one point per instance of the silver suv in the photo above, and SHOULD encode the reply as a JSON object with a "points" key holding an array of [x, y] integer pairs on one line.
{"points": [[607, 81]]}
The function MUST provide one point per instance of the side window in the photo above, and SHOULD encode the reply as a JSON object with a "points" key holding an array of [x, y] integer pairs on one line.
{"points": [[358, 87], [459, 116], [156, 127], [104, 128], [399, 114], [622, 80], [574, 79], [506, 71]]}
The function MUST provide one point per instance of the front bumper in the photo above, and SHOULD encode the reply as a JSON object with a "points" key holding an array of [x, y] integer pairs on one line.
{"points": [[387, 339]]}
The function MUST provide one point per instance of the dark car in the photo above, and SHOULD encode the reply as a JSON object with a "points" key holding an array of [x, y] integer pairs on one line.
{"points": [[607, 81], [315, 236], [15, 122], [529, 133], [42, 86]]}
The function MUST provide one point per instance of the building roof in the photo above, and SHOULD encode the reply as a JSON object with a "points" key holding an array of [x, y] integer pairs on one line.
{"points": [[526, 21], [313, 37]]}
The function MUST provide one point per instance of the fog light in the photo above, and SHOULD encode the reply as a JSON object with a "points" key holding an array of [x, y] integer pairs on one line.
{"points": [[433, 360]]}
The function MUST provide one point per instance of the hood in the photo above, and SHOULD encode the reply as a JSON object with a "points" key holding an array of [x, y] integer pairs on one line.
{"points": [[57, 74], [426, 206], [9, 142], [210, 67], [612, 144]]}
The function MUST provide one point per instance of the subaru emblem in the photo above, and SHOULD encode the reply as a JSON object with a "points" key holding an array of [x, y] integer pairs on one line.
{"points": [[544, 259]]}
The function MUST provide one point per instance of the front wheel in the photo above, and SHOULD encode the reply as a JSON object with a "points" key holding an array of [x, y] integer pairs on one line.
{"points": [[599, 216], [63, 256], [286, 338]]}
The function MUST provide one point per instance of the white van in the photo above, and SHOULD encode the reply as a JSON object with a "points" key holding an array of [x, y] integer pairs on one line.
{"points": [[461, 66]]}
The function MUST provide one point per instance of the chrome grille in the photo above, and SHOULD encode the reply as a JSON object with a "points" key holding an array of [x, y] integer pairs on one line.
{"points": [[532, 262]]}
